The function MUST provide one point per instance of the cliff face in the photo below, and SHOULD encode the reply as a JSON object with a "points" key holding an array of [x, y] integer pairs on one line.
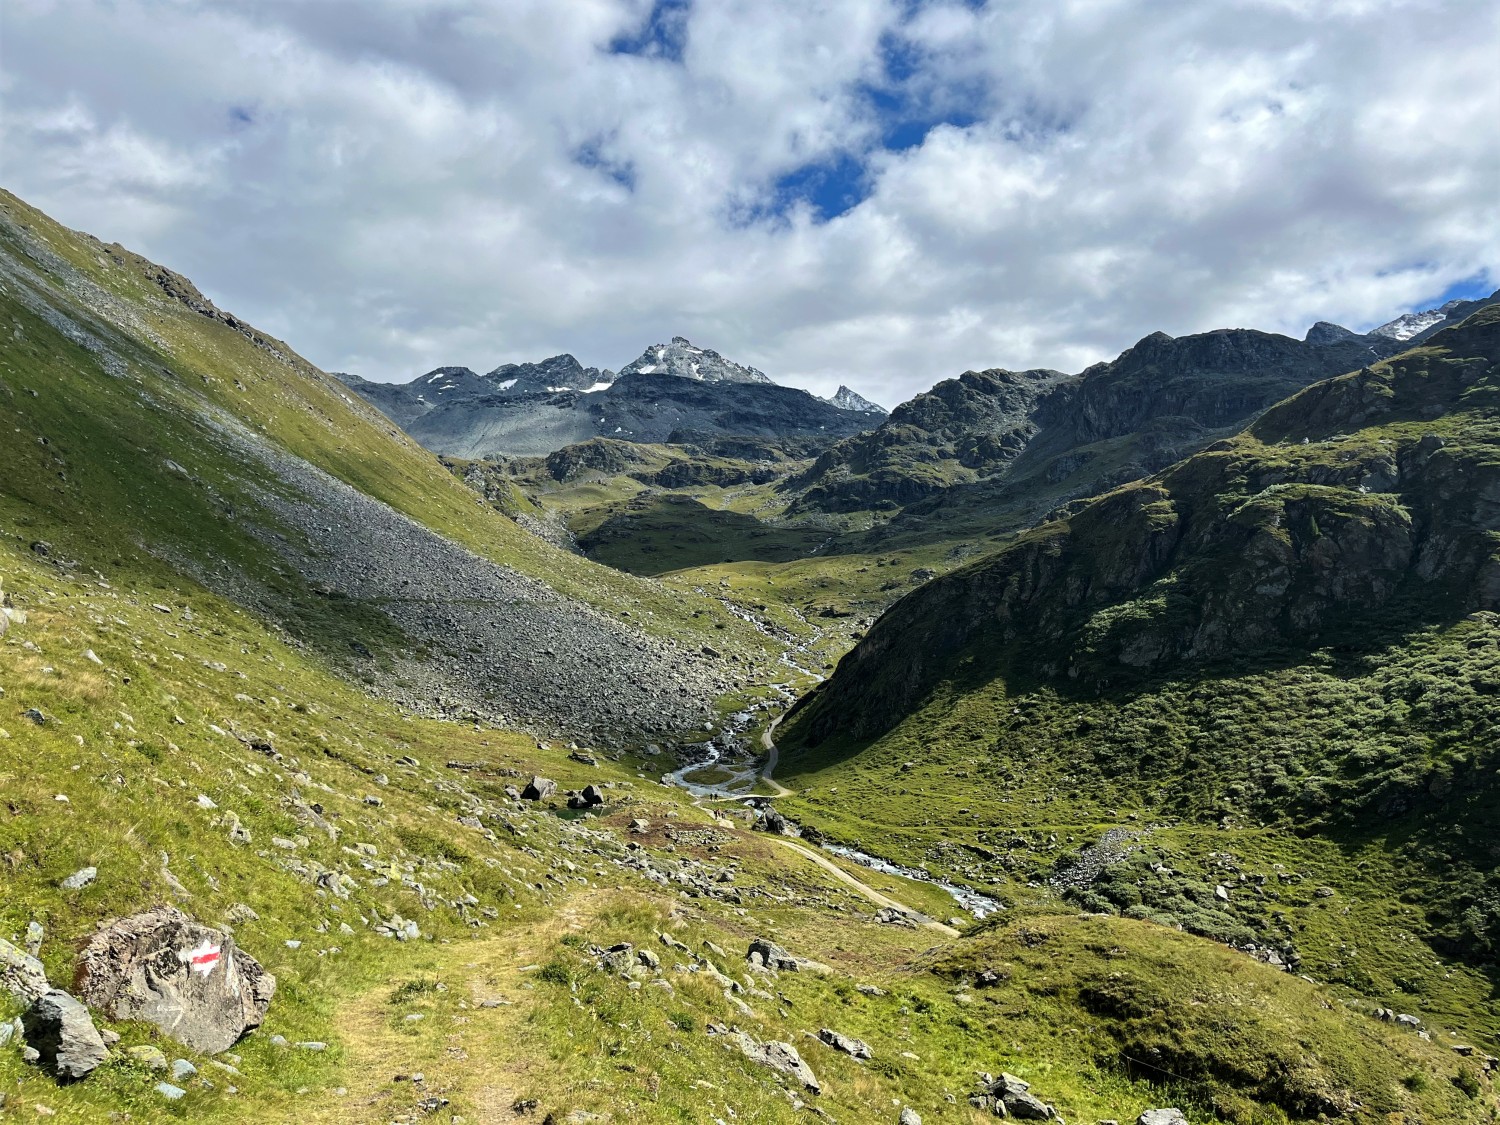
{"points": [[951, 434], [1027, 439], [1372, 489]]}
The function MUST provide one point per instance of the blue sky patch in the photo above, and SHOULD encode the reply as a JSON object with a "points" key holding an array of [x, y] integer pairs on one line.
{"points": [[592, 155], [1468, 289], [830, 187], [907, 109], [662, 36]]}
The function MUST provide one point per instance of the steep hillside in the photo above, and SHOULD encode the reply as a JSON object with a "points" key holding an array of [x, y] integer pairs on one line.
{"points": [[1279, 656], [1378, 487], [152, 428], [996, 439], [227, 595]]}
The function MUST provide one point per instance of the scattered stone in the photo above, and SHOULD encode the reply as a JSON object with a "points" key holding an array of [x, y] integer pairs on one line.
{"points": [[1162, 1117], [80, 879], [854, 1048], [35, 716], [311, 1045], [191, 980], [182, 1070], [909, 1116], [170, 1092], [150, 1057], [890, 916], [774, 1054], [62, 1033], [586, 759], [638, 826]]}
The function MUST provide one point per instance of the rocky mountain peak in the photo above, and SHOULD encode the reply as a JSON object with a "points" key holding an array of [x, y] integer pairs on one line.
{"points": [[556, 373], [447, 382], [687, 361], [1326, 332], [846, 399], [1407, 325]]}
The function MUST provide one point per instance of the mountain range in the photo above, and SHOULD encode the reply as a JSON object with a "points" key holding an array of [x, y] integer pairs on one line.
{"points": [[1109, 746], [675, 393]]}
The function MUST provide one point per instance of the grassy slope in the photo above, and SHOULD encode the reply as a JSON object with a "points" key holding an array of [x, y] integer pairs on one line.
{"points": [[1364, 765], [180, 366], [180, 683]]}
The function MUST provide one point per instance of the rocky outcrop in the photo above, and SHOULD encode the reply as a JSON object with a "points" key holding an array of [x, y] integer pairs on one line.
{"points": [[191, 980], [62, 1032], [21, 974], [957, 430], [776, 1055], [1262, 540], [1005, 436]]}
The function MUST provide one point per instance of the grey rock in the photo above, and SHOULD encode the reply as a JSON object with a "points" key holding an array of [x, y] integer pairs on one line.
{"points": [[1162, 1117], [182, 1070], [191, 980], [855, 1048], [62, 1032], [784, 1057], [80, 879], [34, 936], [772, 956], [1027, 1107], [170, 1092], [539, 789], [21, 974], [909, 1116]]}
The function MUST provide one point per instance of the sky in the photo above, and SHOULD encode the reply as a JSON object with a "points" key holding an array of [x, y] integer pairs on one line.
{"points": [[881, 193]]}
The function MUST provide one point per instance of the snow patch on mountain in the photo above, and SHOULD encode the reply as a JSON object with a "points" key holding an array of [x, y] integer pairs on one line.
{"points": [[1407, 325], [683, 359], [846, 399]]}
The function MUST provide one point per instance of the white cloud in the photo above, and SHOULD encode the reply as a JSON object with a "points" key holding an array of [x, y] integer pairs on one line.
{"points": [[396, 185]]}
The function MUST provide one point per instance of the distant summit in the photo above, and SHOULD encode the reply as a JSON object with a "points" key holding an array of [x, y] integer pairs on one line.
{"points": [[560, 373], [1411, 324], [674, 394], [683, 359], [845, 399]]}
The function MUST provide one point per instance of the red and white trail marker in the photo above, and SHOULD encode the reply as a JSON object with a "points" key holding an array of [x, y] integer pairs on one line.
{"points": [[201, 959]]}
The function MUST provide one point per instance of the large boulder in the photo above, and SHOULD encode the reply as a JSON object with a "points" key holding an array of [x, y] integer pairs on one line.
{"points": [[63, 1033], [191, 980], [771, 956], [539, 789], [784, 1057], [21, 974]]}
